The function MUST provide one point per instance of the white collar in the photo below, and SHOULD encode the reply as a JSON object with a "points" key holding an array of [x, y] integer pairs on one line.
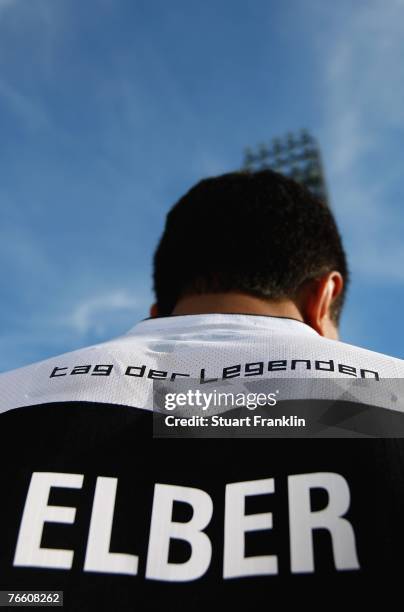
{"points": [[232, 321]]}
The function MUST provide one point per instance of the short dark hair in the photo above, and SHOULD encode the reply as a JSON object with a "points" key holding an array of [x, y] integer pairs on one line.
{"points": [[259, 233]]}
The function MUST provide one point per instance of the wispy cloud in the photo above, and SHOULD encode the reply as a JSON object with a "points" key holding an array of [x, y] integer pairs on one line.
{"points": [[5, 3], [364, 122], [69, 324], [365, 91], [92, 314]]}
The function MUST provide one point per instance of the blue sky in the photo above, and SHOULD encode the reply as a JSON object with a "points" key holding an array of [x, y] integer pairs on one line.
{"points": [[111, 109]]}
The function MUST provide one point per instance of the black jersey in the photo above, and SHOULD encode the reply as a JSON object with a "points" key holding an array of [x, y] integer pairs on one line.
{"points": [[96, 506]]}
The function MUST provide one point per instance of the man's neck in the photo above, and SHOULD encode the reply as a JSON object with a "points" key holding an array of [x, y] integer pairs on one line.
{"points": [[235, 303]]}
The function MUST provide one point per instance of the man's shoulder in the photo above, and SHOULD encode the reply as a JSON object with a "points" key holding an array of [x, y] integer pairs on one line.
{"points": [[346, 347], [72, 374], [392, 366]]}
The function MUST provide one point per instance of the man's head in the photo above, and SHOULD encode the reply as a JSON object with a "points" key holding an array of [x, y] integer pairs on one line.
{"points": [[260, 236]]}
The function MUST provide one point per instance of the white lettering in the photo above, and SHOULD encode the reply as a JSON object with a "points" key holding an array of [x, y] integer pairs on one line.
{"points": [[303, 521], [98, 557], [163, 529], [237, 523], [36, 513]]}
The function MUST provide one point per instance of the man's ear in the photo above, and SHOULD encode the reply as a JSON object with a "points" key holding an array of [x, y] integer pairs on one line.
{"points": [[316, 301], [154, 310]]}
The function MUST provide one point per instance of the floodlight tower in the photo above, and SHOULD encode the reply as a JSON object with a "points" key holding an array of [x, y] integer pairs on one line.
{"points": [[294, 155]]}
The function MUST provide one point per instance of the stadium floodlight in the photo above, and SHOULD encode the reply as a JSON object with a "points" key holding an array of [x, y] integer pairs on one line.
{"points": [[295, 155]]}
